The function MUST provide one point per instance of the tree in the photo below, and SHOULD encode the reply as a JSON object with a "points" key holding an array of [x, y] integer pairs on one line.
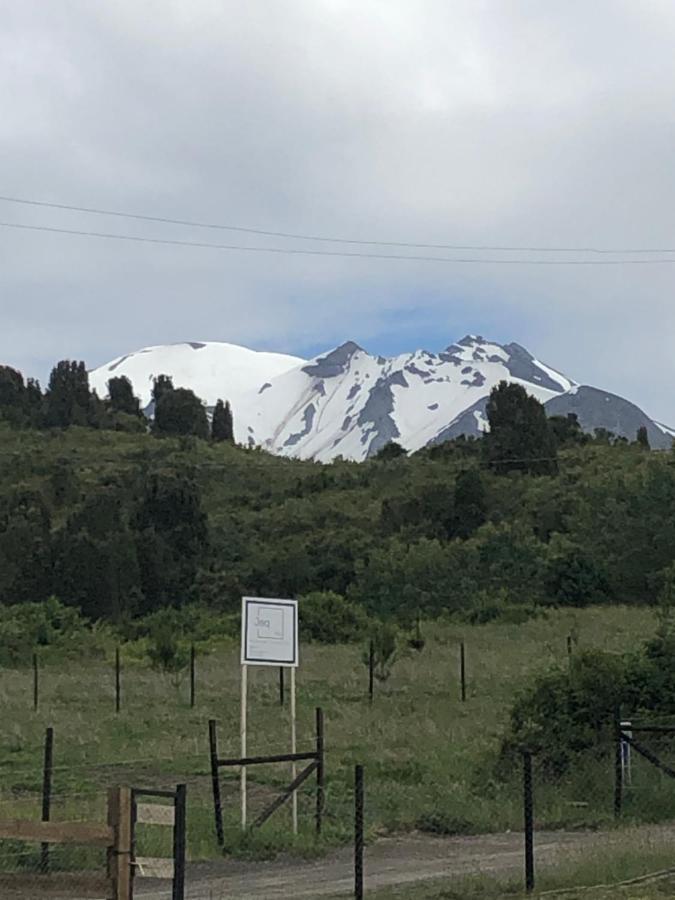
{"points": [[392, 450], [566, 430], [12, 395], [470, 504], [172, 538], [161, 385], [222, 426], [180, 412], [520, 437], [121, 396], [643, 437], [67, 401]]}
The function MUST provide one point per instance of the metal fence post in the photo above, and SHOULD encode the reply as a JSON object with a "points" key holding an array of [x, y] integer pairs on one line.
{"points": [[320, 770], [179, 836], [371, 670], [215, 783], [462, 671], [118, 685], [192, 676], [36, 694], [618, 767], [47, 771], [528, 811], [358, 832]]}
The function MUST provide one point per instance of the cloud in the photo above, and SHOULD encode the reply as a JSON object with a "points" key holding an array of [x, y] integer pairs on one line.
{"points": [[472, 122]]}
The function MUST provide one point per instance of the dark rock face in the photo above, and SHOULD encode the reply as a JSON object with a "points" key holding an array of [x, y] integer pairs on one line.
{"points": [[378, 425], [465, 424], [308, 421], [521, 365], [599, 409], [334, 363]]}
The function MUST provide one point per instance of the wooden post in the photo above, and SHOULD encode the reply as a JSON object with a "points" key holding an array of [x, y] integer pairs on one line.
{"points": [[118, 684], [618, 767], [119, 856], [35, 682], [462, 671], [320, 770], [192, 676], [281, 685], [215, 783], [242, 733], [371, 670], [294, 771], [47, 771]]}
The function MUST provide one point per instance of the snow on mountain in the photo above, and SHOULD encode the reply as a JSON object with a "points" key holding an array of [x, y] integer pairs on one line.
{"points": [[349, 403], [212, 370]]}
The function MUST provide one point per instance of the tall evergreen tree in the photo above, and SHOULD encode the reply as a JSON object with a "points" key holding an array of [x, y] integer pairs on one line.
{"points": [[470, 506], [121, 396], [67, 401], [520, 437], [643, 437], [161, 385], [222, 426], [181, 412]]}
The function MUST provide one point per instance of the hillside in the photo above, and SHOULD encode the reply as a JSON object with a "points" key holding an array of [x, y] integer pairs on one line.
{"points": [[122, 524], [350, 403]]}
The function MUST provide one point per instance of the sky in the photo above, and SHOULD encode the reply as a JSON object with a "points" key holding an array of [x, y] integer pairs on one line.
{"points": [[503, 123]]}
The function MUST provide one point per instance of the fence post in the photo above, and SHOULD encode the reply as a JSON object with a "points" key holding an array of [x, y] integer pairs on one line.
{"points": [[179, 827], [371, 670], [36, 690], [358, 832], [618, 767], [528, 810], [215, 782], [320, 770], [462, 671], [47, 770], [119, 856], [281, 685], [192, 676], [118, 685]]}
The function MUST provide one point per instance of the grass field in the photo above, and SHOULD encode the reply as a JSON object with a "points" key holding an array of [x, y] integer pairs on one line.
{"points": [[428, 756]]}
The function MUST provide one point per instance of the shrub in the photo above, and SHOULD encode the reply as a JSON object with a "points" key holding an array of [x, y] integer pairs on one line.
{"points": [[328, 618], [386, 649]]}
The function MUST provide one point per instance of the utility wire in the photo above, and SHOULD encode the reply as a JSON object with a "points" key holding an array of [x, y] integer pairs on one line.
{"points": [[324, 238], [295, 251]]}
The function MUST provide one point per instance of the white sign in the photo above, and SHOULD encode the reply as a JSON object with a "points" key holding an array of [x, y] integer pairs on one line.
{"points": [[269, 632]]}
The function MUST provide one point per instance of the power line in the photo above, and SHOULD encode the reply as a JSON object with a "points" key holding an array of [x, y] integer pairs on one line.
{"points": [[326, 239], [296, 251]]}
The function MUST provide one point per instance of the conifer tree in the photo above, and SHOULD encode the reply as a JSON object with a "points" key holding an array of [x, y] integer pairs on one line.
{"points": [[222, 426], [520, 436], [643, 437], [121, 396], [67, 401]]}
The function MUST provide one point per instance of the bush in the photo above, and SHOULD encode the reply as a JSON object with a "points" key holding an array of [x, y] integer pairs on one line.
{"points": [[328, 618], [386, 643], [29, 626]]}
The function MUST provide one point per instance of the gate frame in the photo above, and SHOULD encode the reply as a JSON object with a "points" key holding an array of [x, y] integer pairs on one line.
{"points": [[114, 836], [624, 734], [179, 825], [316, 760]]}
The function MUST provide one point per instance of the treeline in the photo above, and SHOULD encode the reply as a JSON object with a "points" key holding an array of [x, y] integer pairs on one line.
{"points": [[69, 401], [118, 524]]}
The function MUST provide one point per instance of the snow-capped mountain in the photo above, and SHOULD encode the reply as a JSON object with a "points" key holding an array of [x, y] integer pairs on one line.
{"points": [[349, 403]]}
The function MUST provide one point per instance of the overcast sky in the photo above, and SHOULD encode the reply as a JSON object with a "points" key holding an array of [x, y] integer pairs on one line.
{"points": [[430, 121]]}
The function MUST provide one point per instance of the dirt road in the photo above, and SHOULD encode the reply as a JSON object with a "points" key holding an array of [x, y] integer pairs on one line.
{"points": [[391, 862]]}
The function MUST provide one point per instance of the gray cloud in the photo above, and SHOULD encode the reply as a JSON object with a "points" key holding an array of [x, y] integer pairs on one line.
{"points": [[469, 122]]}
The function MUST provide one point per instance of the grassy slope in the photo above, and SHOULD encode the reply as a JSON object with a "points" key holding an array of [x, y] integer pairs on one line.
{"points": [[427, 754]]}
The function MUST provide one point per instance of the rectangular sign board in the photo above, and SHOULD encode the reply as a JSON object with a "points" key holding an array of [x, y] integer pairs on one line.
{"points": [[269, 632]]}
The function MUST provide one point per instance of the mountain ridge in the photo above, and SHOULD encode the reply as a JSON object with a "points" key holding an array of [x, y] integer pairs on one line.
{"points": [[347, 402]]}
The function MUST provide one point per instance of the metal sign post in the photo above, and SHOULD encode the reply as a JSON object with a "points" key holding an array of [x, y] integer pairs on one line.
{"points": [[269, 637]]}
